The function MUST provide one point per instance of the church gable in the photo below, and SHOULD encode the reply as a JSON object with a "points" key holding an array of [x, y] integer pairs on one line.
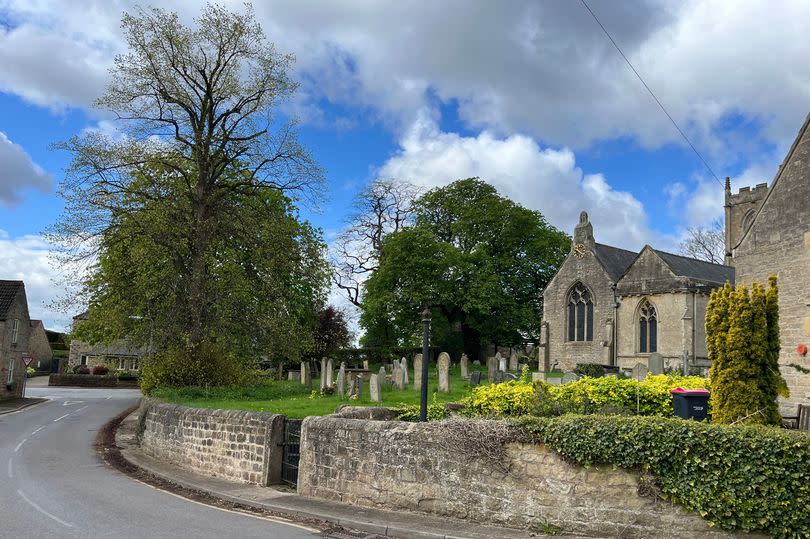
{"points": [[648, 274]]}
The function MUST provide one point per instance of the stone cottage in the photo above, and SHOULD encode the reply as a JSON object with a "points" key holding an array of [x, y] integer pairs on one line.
{"points": [[768, 233], [612, 306], [118, 354], [39, 347], [15, 328]]}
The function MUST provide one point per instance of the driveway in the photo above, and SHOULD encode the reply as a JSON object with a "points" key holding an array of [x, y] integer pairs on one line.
{"points": [[54, 485]]}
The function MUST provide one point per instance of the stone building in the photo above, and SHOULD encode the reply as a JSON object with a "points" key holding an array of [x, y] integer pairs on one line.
{"points": [[118, 354], [612, 306], [39, 347], [15, 328], [768, 233]]}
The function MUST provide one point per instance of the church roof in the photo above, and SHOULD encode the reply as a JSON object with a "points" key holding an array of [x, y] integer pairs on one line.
{"points": [[616, 261], [698, 270], [8, 291]]}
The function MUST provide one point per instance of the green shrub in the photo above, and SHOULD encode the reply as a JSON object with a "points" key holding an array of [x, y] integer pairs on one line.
{"points": [[410, 412], [176, 368], [594, 370], [30, 372], [752, 478], [126, 375], [263, 390]]}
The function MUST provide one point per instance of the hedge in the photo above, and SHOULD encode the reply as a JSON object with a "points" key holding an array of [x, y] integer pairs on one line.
{"points": [[752, 478]]}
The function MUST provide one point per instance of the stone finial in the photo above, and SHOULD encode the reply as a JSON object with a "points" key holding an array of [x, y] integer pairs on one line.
{"points": [[583, 232]]}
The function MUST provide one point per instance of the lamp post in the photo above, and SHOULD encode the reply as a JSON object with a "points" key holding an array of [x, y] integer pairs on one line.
{"points": [[425, 359]]}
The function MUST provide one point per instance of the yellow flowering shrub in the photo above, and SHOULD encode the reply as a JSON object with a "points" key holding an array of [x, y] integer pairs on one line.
{"points": [[512, 398]]}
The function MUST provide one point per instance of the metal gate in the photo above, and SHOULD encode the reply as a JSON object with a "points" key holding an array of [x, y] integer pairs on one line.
{"points": [[292, 448]]}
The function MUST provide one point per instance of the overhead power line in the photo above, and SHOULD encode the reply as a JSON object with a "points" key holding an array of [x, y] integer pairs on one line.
{"points": [[663, 108]]}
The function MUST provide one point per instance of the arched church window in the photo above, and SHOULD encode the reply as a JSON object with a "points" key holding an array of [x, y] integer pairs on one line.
{"points": [[748, 220], [647, 328], [580, 314]]}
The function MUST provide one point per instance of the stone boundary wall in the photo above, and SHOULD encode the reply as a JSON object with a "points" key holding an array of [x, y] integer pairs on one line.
{"points": [[414, 466], [231, 444]]}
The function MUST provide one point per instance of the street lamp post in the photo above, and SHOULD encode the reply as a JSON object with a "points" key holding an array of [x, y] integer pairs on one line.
{"points": [[423, 402]]}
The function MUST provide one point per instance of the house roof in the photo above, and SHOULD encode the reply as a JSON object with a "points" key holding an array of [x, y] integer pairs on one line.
{"points": [[698, 270], [616, 261], [35, 323], [8, 291]]}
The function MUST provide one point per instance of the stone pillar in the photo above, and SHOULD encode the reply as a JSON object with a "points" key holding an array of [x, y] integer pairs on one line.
{"points": [[444, 372], [341, 381], [465, 368], [417, 371], [306, 374], [374, 388]]}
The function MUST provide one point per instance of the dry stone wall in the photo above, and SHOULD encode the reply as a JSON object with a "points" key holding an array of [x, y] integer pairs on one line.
{"points": [[232, 444], [412, 466]]}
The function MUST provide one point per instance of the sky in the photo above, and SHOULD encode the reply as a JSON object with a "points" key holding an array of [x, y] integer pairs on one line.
{"points": [[530, 96]]}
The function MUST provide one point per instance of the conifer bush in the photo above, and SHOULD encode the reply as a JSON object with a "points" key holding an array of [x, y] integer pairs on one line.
{"points": [[742, 338]]}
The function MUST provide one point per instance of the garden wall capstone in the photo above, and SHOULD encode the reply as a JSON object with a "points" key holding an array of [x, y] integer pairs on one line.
{"points": [[418, 467], [232, 444]]}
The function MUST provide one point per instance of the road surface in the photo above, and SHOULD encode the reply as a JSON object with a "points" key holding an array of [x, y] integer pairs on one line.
{"points": [[52, 484]]}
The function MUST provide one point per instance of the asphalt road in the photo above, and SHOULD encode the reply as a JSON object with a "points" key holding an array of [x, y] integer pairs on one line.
{"points": [[52, 484]]}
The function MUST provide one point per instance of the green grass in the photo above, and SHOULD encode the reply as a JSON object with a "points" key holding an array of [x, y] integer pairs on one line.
{"points": [[296, 401]]}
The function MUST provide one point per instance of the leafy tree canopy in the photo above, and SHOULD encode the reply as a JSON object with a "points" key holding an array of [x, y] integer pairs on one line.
{"points": [[479, 259]]}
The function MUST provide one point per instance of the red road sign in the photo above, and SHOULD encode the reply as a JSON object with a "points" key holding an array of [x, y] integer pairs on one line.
{"points": [[27, 360]]}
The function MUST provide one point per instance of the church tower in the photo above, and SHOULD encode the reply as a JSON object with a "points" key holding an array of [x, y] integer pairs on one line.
{"points": [[740, 211]]}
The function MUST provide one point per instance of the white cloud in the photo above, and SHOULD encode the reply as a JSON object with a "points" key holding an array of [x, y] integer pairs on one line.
{"points": [[27, 258], [18, 172], [544, 179]]}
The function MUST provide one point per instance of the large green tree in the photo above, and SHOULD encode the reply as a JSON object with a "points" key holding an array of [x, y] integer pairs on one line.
{"points": [[185, 217], [479, 259]]}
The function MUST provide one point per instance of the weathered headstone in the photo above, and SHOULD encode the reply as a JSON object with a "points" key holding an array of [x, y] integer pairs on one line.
{"points": [[294, 375], [513, 362], [374, 388], [383, 375], [502, 364], [444, 372], [538, 377], [365, 364], [306, 374], [399, 377], [323, 373], [492, 366], [640, 371], [329, 372], [465, 368], [417, 371], [477, 362], [656, 363], [358, 386], [569, 377], [404, 363], [341, 380], [475, 378], [554, 380]]}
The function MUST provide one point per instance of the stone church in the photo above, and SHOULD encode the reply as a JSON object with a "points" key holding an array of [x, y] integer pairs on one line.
{"points": [[617, 307]]}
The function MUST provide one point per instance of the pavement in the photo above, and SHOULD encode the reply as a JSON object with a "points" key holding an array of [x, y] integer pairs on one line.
{"points": [[53, 483], [401, 524]]}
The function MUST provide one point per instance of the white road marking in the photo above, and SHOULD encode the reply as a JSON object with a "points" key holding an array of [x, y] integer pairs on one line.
{"points": [[71, 403], [108, 397], [19, 445], [44, 512], [60, 418], [10, 469], [38, 429], [81, 409]]}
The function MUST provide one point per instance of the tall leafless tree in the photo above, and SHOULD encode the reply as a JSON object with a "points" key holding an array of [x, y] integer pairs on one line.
{"points": [[383, 207], [705, 243]]}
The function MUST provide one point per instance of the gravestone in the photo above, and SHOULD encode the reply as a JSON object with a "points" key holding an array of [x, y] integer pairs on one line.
{"points": [[656, 363], [444, 372], [374, 388], [640, 371], [477, 363], [358, 386], [492, 366], [306, 374], [465, 369], [323, 373], [294, 375], [417, 371], [365, 364], [329, 372], [554, 380], [404, 363], [502, 364], [538, 377], [475, 378], [513, 362], [383, 376], [569, 377], [341, 380], [399, 377]]}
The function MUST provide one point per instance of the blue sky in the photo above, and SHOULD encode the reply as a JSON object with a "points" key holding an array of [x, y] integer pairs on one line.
{"points": [[529, 96]]}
